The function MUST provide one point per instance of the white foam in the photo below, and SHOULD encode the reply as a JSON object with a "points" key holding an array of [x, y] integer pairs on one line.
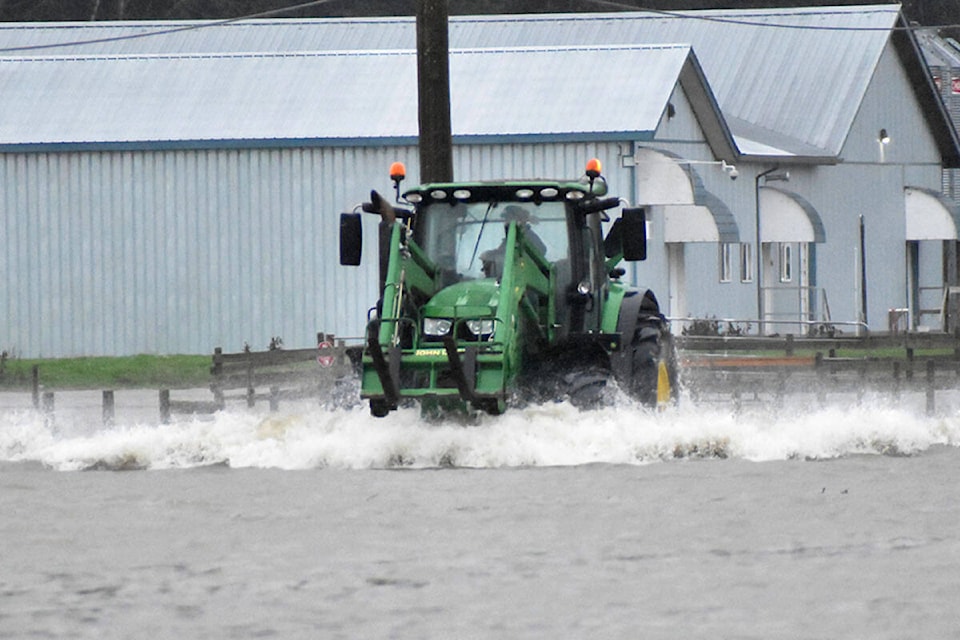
{"points": [[552, 434]]}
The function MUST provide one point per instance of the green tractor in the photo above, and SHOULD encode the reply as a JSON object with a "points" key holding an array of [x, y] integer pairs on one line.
{"points": [[495, 291]]}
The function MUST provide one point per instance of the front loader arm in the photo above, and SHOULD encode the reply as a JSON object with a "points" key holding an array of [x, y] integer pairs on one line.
{"points": [[525, 271], [408, 270]]}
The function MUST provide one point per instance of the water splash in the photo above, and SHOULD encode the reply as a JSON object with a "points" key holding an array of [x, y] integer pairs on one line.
{"points": [[307, 437]]}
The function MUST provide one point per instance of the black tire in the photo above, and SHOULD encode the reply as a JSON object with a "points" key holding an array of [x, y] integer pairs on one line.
{"points": [[669, 354], [585, 388], [379, 408], [491, 406], [645, 370]]}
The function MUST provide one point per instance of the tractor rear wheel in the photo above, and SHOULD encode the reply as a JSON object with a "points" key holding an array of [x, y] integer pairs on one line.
{"points": [[645, 370], [652, 347]]}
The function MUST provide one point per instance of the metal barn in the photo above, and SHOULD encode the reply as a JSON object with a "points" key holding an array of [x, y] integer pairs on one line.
{"points": [[191, 208]]}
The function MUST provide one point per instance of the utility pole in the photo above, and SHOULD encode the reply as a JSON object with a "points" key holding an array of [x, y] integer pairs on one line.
{"points": [[433, 92]]}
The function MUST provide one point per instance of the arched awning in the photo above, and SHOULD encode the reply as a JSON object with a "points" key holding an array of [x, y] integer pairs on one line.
{"points": [[711, 222], [930, 215], [692, 214], [788, 217]]}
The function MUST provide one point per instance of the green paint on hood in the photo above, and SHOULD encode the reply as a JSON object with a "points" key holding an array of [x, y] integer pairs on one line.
{"points": [[468, 299]]}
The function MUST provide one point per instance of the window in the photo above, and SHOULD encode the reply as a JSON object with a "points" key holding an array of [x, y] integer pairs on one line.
{"points": [[725, 265], [746, 262], [786, 262]]}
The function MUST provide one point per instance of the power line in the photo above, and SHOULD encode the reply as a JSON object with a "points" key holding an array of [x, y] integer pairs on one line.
{"points": [[776, 25], [161, 32], [604, 3]]}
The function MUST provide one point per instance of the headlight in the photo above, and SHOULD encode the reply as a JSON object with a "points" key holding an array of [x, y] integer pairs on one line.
{"points": [[437, 326], [480, 328]]}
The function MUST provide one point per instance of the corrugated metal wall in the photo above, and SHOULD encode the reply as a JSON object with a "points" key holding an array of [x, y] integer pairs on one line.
{"points": [[113, 253], [950, 93], [179, 251]]}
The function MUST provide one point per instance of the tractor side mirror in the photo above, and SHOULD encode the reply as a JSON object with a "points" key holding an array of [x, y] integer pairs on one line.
{"points": [[633, 234], [613, 243], [351, 239]]}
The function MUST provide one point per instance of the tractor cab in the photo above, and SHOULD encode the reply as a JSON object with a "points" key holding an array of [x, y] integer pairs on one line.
{"points": [[464, 230]]}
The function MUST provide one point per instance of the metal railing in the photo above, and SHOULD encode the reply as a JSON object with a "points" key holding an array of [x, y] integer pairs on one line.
{"points": [[754, 326]]}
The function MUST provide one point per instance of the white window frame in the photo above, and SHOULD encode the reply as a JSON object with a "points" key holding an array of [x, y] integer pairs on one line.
{"points": [[746, 262], [786, 262], [726, 268]]}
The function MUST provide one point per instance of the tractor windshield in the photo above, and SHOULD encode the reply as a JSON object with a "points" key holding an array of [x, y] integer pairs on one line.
{"points": [[465, 239]]}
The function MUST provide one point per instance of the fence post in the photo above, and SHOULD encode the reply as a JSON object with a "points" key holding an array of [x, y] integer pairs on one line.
{"points": [[217, 370], [896, 380], [164, 406], [274, 398], [108, 406], [780, 389], [251, 391], [821, 383], [35, 377], [861, 381], [931, 389], [48, 408], [737, 399]]}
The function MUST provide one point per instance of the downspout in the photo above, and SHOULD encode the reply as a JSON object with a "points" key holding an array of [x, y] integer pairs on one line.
{"points": [[863, 274], [759, 274], [636, 199]]}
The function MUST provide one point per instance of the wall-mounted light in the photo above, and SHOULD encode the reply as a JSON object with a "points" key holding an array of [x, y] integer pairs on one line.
{"points": [[636, 161], [727, 168], [730, 169], [883, 139]]}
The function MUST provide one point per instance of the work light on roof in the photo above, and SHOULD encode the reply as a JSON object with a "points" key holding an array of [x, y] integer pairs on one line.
{"points": [[397, 173], [593, 168]]}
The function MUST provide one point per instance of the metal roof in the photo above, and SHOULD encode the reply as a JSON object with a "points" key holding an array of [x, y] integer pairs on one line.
{"points": [[789, 81], [937, 51], [206, 36], [796, 80], [337, 97]]}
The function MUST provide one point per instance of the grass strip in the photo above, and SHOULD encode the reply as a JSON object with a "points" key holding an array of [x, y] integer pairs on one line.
{"points": [[129, 372]]}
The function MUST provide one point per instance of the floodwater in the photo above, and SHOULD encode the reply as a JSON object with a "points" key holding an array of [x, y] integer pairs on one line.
{"points": [[806, 522]]}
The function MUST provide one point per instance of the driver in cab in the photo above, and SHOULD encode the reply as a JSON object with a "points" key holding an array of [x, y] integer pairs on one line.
{"points": [[493, 258]]}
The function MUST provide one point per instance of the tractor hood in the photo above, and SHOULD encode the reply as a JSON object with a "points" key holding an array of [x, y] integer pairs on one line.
{"points": [[468, 299]]}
